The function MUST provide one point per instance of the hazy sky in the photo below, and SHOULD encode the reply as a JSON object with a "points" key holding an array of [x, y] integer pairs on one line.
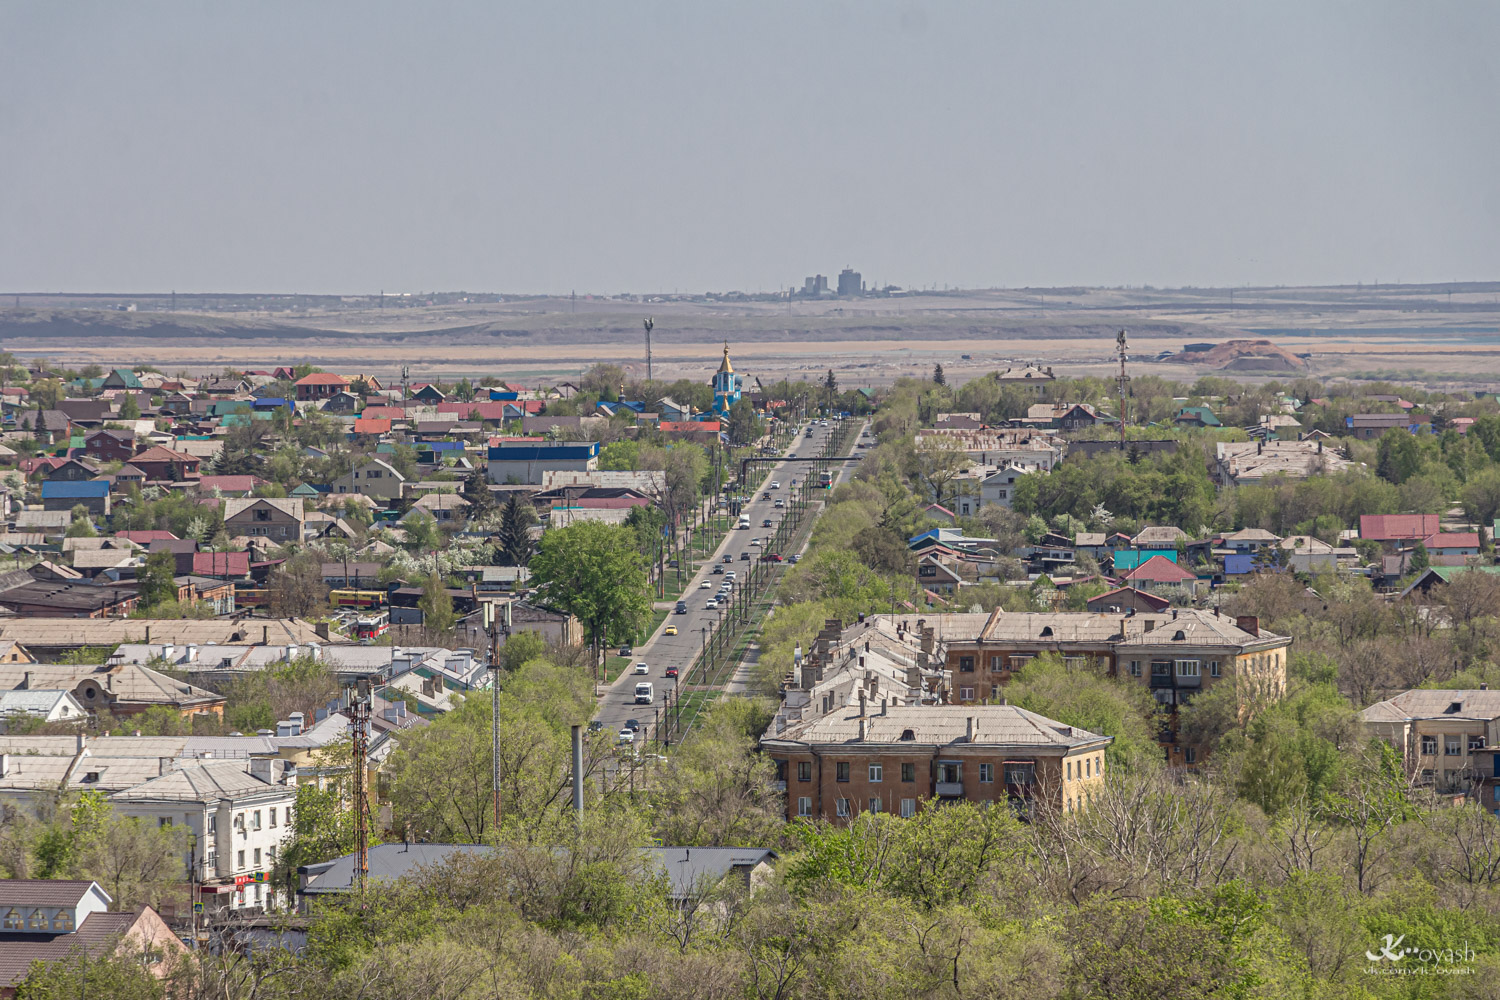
{"points": [[705, 145]]}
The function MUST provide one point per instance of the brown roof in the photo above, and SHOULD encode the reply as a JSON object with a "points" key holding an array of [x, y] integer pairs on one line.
{"points": [[43, 891], [18, 951]]}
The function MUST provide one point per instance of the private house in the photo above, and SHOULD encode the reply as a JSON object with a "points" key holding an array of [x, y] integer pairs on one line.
{"points": [[231, 385], [92, 495], [429, 393], [278, 520], [1168, 537], [375, 479], [66, 470], [320, 386], [900, 759], [58, 920], [936, 576], [441, 507], [165, 464], [234, 485], [123, 689], [1157, 573], [106, 445], [1390, 529], [1369, 426], [1450, 738], [337, 402], [1249, 539], [1196, 416], [1452, 544], [122, 378]]}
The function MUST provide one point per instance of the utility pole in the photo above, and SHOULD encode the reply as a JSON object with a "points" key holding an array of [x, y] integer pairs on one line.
{"points": [[359, 724], [1121, 347], [496, 631], [649, 324]]}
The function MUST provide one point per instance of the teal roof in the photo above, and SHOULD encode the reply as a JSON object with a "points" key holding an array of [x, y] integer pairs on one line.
{"points": [[1200, 413]]}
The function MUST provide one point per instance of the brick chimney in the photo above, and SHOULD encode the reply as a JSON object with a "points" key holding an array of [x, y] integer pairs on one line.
{"points": [[1250, 623]]}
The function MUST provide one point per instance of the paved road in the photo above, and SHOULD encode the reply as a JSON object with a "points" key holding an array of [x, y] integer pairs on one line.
{"points": [[662, 651]]}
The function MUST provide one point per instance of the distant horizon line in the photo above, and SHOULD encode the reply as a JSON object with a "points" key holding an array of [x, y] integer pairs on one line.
{"points": [[1473, 284]]}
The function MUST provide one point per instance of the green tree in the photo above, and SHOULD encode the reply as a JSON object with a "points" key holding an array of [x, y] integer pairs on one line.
{"points": [[745, 425], [129, 408], [516, 519], [477, 492], [157, 580], [595, 572], [437, 605], [81, 525], [521, 648], [937, 375], [1419, 558], [422, 533], [1397, 456]]}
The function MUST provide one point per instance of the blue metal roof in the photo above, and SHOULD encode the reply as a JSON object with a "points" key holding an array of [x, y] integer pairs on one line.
{"points": [[86, 490], [574, 452]]}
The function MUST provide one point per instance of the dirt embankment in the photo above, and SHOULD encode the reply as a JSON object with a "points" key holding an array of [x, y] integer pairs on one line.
{"points": [[1243, 355]]}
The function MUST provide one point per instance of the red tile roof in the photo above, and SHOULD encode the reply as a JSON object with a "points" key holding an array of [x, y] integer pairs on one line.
{"points": [[1394, 527], [230, 484], [322, 378], [371, 425], [487, 411], [383, 412], [1159, 569], [688, 426], [160, 454]]}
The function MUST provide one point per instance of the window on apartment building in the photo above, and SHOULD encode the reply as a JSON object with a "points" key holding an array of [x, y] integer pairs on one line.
{"points": [[273, 815], [804, 806], [1088, 767], [1075, 662], [997, 663], [1190, 755], [804, 770], [1475, 743], [1187, 668], [257, 857], [908, 772], [841, 771], [271, 854], [37, 921], [1135, 668], [1070, 770], [13, 919], [162, 821], [1019, 772], [986, 773], [874, 805], [213, 823], [1213, 668], [1452, 747], [877, 772], [951, 774], [255, 820], [1017, 662], [1161, 668], [966, 694], [1429, 744], [908, 808], [966, 664], [240, 859], [841, 807], [1068, 804]]}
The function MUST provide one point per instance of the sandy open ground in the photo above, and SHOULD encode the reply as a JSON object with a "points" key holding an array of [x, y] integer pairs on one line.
{"points": [[1447, 335]]}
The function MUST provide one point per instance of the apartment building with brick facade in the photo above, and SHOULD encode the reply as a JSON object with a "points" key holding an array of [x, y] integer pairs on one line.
{"points": [[901, 759]]}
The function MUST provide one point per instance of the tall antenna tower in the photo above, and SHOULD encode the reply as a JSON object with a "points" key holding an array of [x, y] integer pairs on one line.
{"points": [[1121, 347], [359, 729], [649, 324]]}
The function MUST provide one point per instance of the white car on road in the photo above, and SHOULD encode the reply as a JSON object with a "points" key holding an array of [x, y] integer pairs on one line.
{"points": [[712, 605], [642, 668]]}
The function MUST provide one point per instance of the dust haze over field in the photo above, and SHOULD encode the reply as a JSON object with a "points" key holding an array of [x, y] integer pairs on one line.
{"points": [[1442, 333]]}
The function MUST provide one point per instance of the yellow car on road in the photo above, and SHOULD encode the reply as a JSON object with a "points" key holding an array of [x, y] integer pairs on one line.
{"points": [[670, 630]]}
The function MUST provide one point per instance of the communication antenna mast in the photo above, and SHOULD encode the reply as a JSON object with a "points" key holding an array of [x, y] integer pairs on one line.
{"points": [[1121, 347], [649, 324], [497, 629], [359, 728]]}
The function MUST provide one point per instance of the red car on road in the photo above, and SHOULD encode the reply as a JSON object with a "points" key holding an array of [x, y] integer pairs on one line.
{"points": [[671, 672]]}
